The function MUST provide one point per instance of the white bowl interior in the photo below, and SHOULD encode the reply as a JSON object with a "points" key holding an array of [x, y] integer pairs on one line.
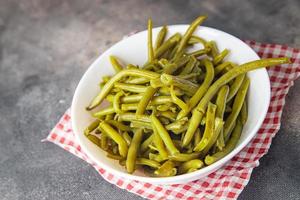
{"points": [[134, 50]]}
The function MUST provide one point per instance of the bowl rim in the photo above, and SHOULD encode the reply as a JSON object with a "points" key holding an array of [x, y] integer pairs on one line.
{"points": [[179, 178]]}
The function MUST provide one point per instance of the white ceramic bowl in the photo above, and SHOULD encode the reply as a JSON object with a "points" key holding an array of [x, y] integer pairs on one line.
{"points": [[134, 50]]}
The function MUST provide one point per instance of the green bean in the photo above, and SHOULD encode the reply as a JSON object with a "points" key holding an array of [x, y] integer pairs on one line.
{"points": [[146, 143], [197, 137], [166, 169], [167, 114], [147, 162], [158, 142], [189, 66], [94, 139], [210, 159], [193, 125], [140, 124], [209, 128], [214, 49], [171, 42], [131, 87], [166, 91], [178, 101], [133, 106], [201, 90], [142, 105], [200, 52], [150, 45], [91, 127], [131, 66], [164, 135], [104, 138], [118, 125], [116, 65], [160, 37], [156, 157], [235, 86], [219, 68], [116, 102], [133, 150], [172, 67], [189, 33], [138, 80], [185, 85], [156, 83], [196, 39], [213, 138], [105, 111], [161, 100], [115, 136], [189, 76], [109, 85], [115, 157], [165, 107], [244, 113], [221, 105], [220, 57], [131, 116], [126, 137], [183, 157], [236, 108], [191, 164]]}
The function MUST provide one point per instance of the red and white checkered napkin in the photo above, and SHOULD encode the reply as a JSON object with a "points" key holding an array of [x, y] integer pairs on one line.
{"points": [[229, 181]]}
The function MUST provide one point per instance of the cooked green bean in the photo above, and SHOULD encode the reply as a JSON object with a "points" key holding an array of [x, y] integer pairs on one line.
{"points": [[183, 157], [220, 57], [142, 105], [131, 87], [160, 37], [133, 150], [126, 137], [189, 66], [94, 139], [213, 46], [191, 164], [105, 111], [188, 34], [116, 65], [109, 85], [116, 102], [167, 114], [201, 90], [210, 159], [146, 143], [244, 113], [118, 125], [235, 86], [209, 127], [158, 142], [115, 136], [178, 101], [147, 162], [150, 44], [219, 68], [189, 76], [236, 108], [171, 42], [113, 156], [172, 67], [131, 116], [185, 85], [164, 135], [198, 53], [137, 80], [221, 105], [91, 127], [166, 169], [196, 39]]}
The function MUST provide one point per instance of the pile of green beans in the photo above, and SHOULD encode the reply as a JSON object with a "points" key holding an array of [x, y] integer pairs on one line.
{"points": [[177, 113]]}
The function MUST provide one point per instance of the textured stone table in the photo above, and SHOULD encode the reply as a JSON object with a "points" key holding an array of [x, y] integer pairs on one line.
{"points": [[45, 47]]}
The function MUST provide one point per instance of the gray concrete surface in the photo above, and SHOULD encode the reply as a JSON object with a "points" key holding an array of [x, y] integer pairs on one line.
{"points": [[45, 47]]}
